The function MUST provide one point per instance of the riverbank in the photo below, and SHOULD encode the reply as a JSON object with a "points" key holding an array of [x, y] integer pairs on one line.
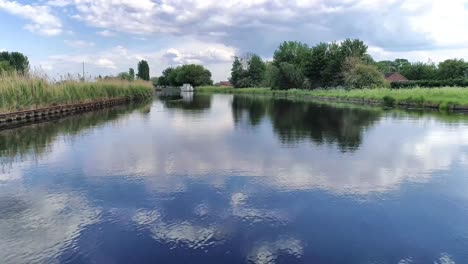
{"points": [[447, 98], [28, 93]]}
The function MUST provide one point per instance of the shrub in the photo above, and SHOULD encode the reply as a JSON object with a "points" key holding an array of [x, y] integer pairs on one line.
{"points": [[389, 101], [359, 75]]}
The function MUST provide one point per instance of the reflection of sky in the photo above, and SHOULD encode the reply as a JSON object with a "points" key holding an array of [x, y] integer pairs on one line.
{"points": [[195, 181], [36, 226], [179, 143]]}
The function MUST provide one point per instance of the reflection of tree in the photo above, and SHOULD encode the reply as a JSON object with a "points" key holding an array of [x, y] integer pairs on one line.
{"points": [[255, 108], [294, 121], [196, 103], [35, 138]]}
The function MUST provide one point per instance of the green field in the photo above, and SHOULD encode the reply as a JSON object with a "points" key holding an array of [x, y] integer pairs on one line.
{"points": [[442, 98], [21, 93]]}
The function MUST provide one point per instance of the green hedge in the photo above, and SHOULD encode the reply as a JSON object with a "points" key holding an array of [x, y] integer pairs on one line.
{"points": [[430, 83]]}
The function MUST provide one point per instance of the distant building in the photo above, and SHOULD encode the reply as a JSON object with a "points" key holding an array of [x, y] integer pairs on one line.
{"points": [[395, 77], [224, 83]]}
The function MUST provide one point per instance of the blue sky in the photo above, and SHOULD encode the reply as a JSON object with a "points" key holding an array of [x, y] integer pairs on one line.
{"points": [[112, 35]]}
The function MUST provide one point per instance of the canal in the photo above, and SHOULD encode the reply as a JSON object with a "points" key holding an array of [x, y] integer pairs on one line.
{"points": [[236, 179]]}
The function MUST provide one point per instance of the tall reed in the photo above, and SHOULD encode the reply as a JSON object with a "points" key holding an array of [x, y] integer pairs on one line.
{"points": [[29, 92]]}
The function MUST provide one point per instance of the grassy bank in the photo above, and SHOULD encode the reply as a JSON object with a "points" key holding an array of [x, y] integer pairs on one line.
{"points": [[443, 98], [21, 93]]}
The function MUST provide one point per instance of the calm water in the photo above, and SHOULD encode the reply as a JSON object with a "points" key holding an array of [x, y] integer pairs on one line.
{"points": [[226, 179]]}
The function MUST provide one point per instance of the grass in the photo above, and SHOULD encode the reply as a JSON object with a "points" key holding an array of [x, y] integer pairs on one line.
{"points": [[21, 93], [445, 98]]}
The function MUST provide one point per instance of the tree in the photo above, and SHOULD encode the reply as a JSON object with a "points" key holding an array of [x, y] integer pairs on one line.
{"points": [[256, 70], [237, 72], [166, 78], [360, 75], [354, 48], [16, 60], [131, 73], [453, 69], [332, 74], [193, 74], [316, 64], [286, 76], [5, 67], [387, 66], [419, 71], [400, 64], [143, 70], [292, 52], [124, 76]]}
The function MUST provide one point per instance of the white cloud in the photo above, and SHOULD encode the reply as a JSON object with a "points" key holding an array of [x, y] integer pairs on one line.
{"points": [[419, 55], [59, 3], [79, 43], [42, 21], [216, 57], [106, 33]]}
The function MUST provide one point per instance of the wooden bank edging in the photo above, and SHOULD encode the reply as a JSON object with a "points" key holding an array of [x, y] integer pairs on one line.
{"points": [[58, 110]]}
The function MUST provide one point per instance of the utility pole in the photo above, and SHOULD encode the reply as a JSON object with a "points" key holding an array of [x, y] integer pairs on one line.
{"points": [[83, 73]]}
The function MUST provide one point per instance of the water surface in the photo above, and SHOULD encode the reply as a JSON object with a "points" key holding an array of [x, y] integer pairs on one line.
{"points": [[236, 179]]}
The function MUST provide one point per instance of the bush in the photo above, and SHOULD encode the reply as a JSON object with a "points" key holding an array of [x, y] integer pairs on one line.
{"points": [[389, 101], [359, 75]]}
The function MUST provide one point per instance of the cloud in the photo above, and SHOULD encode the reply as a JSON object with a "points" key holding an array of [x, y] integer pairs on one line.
{"points": [[42, 21], [59, 3], [216, 57], [106, 33], [261, 25], [79, 43]]}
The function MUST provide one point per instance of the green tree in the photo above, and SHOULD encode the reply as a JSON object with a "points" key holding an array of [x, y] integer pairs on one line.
{"points": [[316, 64], [387, 66], [453, 69], [237, 72], [143, 70], [193, 74], [16, 60], [5, 67], [332, 74], [400, 64], [131, 73], [419, 71], [124, 76], [360, 75], [286, 76], [354, 48], [292, 52], [256, 70]]}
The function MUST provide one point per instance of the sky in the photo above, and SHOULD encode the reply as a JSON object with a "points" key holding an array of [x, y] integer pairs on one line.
{"points": [[110, 36]]}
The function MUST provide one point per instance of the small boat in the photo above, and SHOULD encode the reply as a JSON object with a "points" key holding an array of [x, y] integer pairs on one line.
{"points": [[186, 88]]}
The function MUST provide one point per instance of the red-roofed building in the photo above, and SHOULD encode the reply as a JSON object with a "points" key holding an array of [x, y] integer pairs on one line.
{"points": [[395, 77], [224, 83]]}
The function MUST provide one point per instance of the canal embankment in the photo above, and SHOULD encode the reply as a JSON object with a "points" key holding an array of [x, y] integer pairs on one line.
{"points": [[445, 98], [29, 98]]}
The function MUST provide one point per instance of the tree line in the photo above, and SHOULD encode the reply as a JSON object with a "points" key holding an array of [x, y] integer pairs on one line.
{"points": [[345, 64]]}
